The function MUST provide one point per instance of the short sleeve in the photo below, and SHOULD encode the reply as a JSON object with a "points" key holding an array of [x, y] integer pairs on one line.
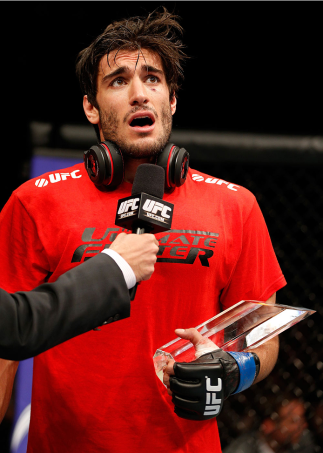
{"points": [[257, 274], [23, 264]]}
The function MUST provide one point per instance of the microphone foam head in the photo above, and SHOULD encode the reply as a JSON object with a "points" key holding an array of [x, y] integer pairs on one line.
{"points": [[150, 179]]}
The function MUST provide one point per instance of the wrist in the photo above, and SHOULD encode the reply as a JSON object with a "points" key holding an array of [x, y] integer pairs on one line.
{"points": [[126, 269], [249, 367], [257, 362]]}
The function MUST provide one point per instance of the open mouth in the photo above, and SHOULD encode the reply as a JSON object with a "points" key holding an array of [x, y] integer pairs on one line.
{"points": [[141, 121]]}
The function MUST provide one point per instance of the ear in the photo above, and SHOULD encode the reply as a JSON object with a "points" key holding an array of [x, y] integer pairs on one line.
{"points": [[173, 103], [91, 112]]}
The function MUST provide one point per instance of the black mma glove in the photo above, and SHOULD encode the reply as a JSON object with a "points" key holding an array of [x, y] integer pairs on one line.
{"points": [[200, 387]]}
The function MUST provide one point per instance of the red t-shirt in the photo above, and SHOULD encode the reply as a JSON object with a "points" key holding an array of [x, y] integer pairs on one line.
{"points": [[98, 392]]}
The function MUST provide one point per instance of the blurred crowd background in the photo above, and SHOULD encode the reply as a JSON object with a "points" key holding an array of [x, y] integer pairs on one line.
{"points": [[249, 112]]}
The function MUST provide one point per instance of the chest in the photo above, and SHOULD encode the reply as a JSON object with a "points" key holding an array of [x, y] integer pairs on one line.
{"points": [[203, 243]]}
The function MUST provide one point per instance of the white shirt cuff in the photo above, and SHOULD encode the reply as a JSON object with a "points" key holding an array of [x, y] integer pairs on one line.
{"points": [[126, 269]]}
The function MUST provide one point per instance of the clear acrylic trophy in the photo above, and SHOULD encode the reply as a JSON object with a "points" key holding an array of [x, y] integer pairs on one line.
{"points": [[246, 325]]}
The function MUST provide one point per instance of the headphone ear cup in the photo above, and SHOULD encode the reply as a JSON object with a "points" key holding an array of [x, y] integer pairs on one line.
{"points": [[181, 166], [175, 162], [104, 165]]}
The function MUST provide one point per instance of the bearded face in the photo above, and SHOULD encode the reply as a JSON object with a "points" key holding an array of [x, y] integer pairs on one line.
{"points": [[134, 108], [143, 146]]}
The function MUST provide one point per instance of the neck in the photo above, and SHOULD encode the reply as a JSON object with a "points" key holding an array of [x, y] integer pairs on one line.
{"points": [[131, 166]]}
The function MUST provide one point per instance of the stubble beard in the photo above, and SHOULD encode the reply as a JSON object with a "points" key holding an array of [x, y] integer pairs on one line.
{"points": [[142, 148]]}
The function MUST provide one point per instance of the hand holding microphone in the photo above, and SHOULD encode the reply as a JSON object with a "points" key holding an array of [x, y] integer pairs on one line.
{"points": [[139, 252], [145, 211]]}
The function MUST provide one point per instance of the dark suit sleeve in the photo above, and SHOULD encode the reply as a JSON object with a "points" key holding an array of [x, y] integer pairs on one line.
{"points": [[82, 299]]}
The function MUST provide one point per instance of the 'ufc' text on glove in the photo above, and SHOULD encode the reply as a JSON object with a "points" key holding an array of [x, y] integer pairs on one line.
{"points": [[200, 387]]}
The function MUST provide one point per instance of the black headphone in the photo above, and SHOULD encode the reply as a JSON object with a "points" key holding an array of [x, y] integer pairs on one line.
{"points": [[105, 167]]}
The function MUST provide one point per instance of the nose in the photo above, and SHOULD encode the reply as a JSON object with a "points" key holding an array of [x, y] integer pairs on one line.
{"points": [[138, 94]]}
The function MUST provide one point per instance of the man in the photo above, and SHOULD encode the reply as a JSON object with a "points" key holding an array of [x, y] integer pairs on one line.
{"points": [[99, 392], [32, 322], [284, 431]]}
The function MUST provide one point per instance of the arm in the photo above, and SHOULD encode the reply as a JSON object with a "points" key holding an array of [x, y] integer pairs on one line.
{"points": [[267, 352], [199, 388], [17, 248], [7, 375], [33, 321], [80, 300], [255, 275], [87, 296]]}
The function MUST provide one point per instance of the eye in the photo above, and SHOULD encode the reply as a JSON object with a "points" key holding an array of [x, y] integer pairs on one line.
{"points": [[118, 82], [152, 79]]}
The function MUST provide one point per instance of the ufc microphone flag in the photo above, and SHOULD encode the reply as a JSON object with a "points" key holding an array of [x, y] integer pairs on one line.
{"points": [[39, 164], [150, 212]]}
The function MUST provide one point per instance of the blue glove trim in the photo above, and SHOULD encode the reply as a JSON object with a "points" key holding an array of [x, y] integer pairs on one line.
{"points": [[247, 368]]}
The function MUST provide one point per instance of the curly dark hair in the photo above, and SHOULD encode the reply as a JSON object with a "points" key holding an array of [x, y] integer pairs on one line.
{"points": [[158, 32]]}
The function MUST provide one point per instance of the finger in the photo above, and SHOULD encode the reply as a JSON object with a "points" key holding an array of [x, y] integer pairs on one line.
{"points": [[188, 415], [155, 241], [151, 236], [149, 271], [169, 369], [166, 380], [191, 335], [201, 344]]}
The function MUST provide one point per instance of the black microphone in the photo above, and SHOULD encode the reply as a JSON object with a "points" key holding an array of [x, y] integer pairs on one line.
{"points": [[145, 211]]}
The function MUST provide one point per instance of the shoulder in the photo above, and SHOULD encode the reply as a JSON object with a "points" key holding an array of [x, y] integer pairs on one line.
{"points": [[218, 190], [53, 185], [68, 175]]}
